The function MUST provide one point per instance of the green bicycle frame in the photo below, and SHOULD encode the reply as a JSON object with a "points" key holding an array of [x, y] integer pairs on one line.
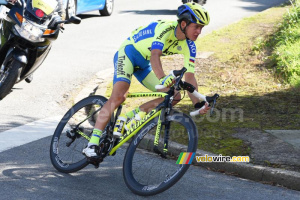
{"points": [[151, 115]]}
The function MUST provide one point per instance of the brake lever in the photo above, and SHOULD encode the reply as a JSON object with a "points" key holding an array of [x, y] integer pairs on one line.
{"points": [[177, 84], [212, 100], [212, 107]]}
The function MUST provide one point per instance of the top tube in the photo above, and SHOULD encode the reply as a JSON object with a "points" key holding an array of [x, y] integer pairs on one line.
{"points": [[147, 94]]}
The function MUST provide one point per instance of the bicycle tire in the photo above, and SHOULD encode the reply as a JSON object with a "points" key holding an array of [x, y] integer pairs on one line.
{"points": [[70, 159], [133, 164]]}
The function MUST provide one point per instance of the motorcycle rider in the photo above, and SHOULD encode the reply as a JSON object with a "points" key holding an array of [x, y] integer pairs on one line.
{"points": [[60, 8], [61, 12]]}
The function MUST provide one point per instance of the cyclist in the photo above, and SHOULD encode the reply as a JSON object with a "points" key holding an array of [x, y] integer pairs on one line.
{"points": [[140, 55]]}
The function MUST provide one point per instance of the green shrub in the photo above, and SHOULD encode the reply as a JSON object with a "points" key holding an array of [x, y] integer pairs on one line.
{"points": [[286, 52]]}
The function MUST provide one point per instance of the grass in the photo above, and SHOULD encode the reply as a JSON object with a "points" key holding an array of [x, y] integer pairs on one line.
{"points": [[253, 96], [285, 47]]}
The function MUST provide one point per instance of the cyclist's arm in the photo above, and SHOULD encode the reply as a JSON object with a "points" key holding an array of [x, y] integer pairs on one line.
{"points": [[156, 63], [190, 78]]}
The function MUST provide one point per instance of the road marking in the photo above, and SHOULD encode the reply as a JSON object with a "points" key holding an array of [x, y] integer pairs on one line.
{"points": [[27, 133]]}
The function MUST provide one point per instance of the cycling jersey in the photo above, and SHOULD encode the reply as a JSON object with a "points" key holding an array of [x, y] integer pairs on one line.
{"points": [[161, 35], [134, 54]]}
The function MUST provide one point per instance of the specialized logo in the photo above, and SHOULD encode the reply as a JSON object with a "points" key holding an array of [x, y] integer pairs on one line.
{"points": [[147, 95], [139, 123], [142, 121]]}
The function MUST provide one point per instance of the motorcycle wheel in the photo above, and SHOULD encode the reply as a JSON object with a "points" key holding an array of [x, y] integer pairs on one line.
{"points": [[71, 8], [9, 77]]}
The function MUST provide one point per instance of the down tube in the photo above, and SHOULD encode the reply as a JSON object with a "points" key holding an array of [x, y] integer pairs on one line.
{"points": [[133, 133]]}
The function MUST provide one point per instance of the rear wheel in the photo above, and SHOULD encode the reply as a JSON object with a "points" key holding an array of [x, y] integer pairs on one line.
{"points": [[67, 144], [108, 8], [9, 76], [147, 173]]}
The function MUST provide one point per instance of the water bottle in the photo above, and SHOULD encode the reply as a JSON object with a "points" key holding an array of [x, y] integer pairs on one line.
{"points": [[134, 120], [120, 125]]}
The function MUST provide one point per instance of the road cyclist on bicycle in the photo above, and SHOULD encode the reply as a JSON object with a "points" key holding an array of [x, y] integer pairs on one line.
{"points": [[140, 56]]}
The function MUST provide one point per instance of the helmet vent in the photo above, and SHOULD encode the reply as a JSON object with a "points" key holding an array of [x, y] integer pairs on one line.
{"points": [[199, 13]]}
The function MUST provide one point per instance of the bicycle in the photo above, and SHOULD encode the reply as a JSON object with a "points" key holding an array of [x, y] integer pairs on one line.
{"points": [[147, 145]]}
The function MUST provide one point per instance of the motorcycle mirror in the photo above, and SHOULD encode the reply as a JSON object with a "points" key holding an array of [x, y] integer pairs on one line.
{"points": [[74, 20]]}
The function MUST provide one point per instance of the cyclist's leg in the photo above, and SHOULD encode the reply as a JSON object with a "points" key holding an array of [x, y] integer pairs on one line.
{"points": [[122, 77], [149, 80]]}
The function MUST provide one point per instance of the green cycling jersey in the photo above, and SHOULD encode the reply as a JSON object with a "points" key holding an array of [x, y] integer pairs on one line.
{"points": [[162, 35]]}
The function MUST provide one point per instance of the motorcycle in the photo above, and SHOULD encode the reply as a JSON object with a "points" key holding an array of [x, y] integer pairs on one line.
{"points": [[27, 30]]}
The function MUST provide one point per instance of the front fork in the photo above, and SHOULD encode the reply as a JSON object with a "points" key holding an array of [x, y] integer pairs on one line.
{"points": [[162, 121]]}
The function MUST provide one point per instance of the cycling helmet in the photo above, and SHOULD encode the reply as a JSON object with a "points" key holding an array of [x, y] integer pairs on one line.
{"points": [[194, 13]]}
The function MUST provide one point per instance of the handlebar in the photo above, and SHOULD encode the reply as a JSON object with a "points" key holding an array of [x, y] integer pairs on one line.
{"points": [[179, 84]]}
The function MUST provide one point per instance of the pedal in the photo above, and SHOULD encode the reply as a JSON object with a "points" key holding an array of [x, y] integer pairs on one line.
{"points": [[96, 160]]}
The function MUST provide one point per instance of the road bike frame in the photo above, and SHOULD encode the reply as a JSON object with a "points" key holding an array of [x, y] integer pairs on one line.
{"points": [[161, 111], [151, 115], [135, 129]]}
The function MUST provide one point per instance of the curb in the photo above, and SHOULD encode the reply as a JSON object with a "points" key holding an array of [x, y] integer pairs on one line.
{"points": [[286, 178]]}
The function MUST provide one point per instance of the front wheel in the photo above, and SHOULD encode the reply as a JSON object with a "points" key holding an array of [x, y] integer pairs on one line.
{"points": [[67, 143], [71, 9], [147, 173], [9, 76], [108, 8]]}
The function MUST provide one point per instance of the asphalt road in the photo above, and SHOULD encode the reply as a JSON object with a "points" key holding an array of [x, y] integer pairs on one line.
{"points": [[85, 49], [79, 53], [29, 175]]}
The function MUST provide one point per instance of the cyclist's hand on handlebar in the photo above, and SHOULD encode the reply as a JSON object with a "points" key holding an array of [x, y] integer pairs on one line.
{"points": [[167, 81], [202, 107]]}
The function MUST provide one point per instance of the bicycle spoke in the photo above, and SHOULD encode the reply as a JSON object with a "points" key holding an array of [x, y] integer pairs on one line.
{"points": [[67, 144], [145, 171]]}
